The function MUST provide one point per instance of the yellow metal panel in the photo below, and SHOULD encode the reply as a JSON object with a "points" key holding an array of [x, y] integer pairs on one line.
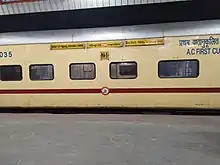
{"points": [[144, 42], [107, 44], [63, 46]]}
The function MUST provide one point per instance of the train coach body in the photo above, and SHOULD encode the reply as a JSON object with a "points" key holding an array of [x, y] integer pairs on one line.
{"points": [[172, 65]]}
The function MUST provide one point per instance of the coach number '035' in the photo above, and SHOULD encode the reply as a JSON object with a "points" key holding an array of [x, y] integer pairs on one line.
{"points": [[6, 54]]}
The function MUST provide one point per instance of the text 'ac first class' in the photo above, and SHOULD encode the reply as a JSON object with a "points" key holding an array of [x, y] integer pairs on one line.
{"points": [[207, 46]]}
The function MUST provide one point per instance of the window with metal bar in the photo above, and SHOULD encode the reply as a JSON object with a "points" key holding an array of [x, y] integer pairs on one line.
{"points": [[82, 71], [178, 69], [123, 70], [41, 72], [11, 73]]}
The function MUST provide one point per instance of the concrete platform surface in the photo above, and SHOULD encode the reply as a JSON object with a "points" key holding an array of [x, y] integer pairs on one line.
{"points": [[47, 139]]}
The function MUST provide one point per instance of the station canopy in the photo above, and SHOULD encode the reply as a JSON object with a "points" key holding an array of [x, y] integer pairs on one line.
{"points": [[9, 7]]}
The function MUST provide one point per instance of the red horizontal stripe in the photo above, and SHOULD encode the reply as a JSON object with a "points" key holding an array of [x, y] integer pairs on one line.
{"points": [[112, 90], [165, 90], [49, 91]]}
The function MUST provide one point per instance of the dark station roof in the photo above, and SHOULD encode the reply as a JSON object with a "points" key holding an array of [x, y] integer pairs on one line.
{"points": [[71, 14]]}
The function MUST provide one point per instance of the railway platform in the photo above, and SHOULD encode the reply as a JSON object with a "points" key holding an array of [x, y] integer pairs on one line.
{"points": [[109, 139]]}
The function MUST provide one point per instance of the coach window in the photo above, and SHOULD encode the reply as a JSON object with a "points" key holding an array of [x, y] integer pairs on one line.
{"points": [[41, 72], [11, 73], [82, 71], [178, 69], [123, 70]]}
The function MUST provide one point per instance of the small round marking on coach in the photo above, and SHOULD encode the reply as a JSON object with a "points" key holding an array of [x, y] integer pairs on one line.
{"points": [[105, 90]]}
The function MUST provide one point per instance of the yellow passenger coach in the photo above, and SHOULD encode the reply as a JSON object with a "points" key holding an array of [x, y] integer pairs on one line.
{"points": [[171, 65]]}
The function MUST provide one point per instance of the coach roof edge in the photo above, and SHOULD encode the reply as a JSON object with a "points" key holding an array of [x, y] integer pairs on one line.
{"points": [[112, 33]]}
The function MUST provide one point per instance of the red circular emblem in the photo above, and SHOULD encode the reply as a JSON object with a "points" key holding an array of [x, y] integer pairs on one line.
{"points": [[105, 91]]}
